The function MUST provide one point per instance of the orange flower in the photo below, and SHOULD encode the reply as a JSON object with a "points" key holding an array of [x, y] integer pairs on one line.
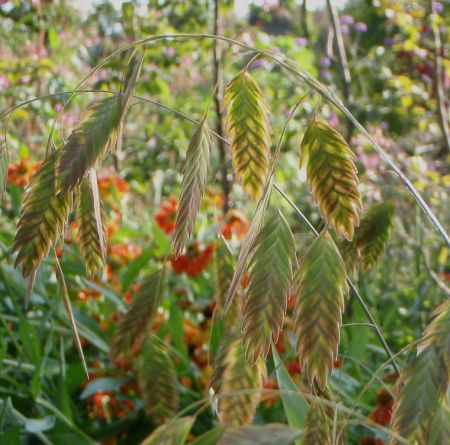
{"points": [[85, 294], [236, 224], [195, 260], [108, 180], [124, 252], [20, 172], [167, 214]]}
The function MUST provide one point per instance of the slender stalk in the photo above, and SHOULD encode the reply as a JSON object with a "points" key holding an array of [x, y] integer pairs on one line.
{"points": [[304, 19], [302, 75], [342, 57], [218, 81], [438, 69]]}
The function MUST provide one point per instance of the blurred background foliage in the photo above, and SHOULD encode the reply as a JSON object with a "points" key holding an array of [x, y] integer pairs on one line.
{"points": [[47, 46]]}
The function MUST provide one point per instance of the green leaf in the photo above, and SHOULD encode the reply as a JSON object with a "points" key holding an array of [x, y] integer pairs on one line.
{"points": [[30, 340], [210, 437], [40, 425], [295, 406], [171, 433], [4, 161]]}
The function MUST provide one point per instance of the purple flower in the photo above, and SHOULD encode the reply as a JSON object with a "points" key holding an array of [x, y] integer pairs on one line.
{"points": [[257, 63], [344, 29], [388, 41], [347, 20], [301, 41], [438, 7], [384, 126], [325, 62], [275, 49], [361, 27]]}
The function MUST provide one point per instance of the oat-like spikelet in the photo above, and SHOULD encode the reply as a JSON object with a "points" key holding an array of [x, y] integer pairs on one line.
{"points": [[249, 130], [321, 288], [157, 378], [272, 260], [332, 176], [42, 218], [195, 177]]}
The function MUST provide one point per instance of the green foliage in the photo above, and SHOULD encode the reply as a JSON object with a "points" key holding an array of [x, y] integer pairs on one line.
{"points": [[42, 218], [249, 128], [321, 288], [332, 176], [171, 433]]}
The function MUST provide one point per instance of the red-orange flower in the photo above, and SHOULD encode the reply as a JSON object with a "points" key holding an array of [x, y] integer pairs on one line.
{"points": [[124, 252], [236, 224], [383, 411], [196, 259], [20, 172], [371, 441], [166, 215], [108, 180]]}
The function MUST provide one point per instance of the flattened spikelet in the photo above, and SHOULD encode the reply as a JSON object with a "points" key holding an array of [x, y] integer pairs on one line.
{"points": [[92, 234], [424, 382], [268, 434], [195, 177], [332, 176], [321, 288], [419, 391], [88, 143], [171, 433], [318, 426], [249, 129], [138, 320], [270, 267], [157, 380], [437, 334], [371, 238], [374, 232], [238, 375], [42, 218]]}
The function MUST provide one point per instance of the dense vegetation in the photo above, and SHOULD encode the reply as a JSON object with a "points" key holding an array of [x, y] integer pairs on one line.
{"points": [[224, 228]]}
